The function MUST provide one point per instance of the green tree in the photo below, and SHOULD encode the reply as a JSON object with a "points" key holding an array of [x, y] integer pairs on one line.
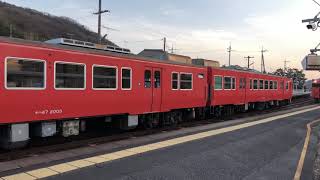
{"points": [[296, 75]]}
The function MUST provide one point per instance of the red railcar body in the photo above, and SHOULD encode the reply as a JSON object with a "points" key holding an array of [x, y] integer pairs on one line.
{"points": [[249, 87], [26, 105], [51, 86], [316, 90]]}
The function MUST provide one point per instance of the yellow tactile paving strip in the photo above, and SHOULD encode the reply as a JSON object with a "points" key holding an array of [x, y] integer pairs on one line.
{"points": [[62, 168], [42, 173], [105, 158], [19, 176]]}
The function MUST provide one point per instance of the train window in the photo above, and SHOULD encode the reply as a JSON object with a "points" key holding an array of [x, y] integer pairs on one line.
{"points": [[251, 87], [240, 83], [218, 82], [185, 81], [233, 83], [275, 84], [104, 77], [255, 84], [244, 84], [266, 84], [175, 81], [315, 85], [271, 85], [227, 82], [69, 75], [281, 85], [126, 74], [147, 79], [261, 84], [25, 74], [157, 79], [287, 85]]}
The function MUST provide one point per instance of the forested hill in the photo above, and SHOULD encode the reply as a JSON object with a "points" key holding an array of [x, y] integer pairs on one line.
{"points": [[34, 25]]}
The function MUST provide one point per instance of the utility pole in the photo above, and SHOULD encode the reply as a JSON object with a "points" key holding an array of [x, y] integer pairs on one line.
{"points": [[99, 19], [172, 49], [229, 51], [285, 64], [263, 67], [164, 44], [248, 59]]}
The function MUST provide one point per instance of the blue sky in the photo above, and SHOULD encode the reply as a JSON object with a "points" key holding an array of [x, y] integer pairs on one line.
{"points": [[201, 28]]}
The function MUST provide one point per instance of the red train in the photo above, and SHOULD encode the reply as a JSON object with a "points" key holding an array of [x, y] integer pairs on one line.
{"points": [[316, 90], [49, 88]]}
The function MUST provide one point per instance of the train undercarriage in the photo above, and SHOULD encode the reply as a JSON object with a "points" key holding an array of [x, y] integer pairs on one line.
{"points": [[15, 136]]}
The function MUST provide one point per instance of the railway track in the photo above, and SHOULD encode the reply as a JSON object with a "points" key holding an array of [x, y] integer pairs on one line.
{"points": [[56, 144]]}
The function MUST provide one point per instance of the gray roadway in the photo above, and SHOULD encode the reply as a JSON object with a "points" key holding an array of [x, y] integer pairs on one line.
{"points": [[266, 151]]}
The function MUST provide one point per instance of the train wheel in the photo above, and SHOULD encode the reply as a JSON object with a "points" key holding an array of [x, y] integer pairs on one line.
{"points": [[146, 123], [217, 112], [179, 117], [261, 106], [170, 119], [200, 114], [173, 119], [156, 120], [151, 121]]}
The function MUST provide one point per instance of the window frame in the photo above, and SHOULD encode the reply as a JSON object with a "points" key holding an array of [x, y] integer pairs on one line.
{"points": [[105, 89], [257, 84], [281, 85], [242, 83], [275, 82], [262, 84], [154, 79], [144, 78], [191, 81], [251, 84], [271, 83], [222, 80], [24, 88], [266, 81], [233, 83], [178, 81], [230, 83], [70, 89], [126, 89]]}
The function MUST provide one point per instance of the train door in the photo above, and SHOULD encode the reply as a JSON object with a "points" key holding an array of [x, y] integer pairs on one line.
{"points": [[153, 87], [242, 89], [282, 88], [148, 88], [156, 90]]}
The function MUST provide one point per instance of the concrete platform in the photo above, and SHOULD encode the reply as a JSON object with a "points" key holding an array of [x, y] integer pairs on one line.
{"points": [[250, 150]]}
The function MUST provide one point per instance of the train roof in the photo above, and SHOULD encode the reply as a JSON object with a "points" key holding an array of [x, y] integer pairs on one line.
{"points": [[113, 54], [89, 50], [242, 69]]}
